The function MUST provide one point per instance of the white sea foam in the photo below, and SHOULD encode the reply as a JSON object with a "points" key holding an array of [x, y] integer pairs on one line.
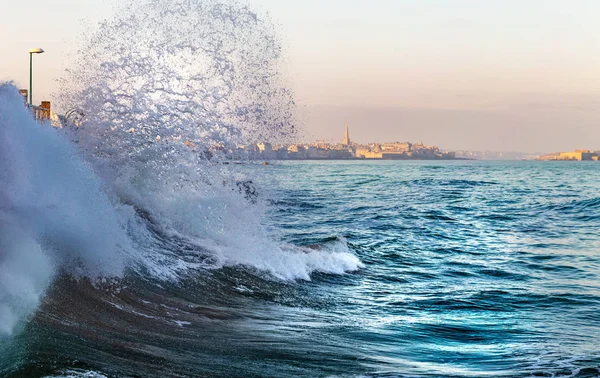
{"points": [[24, 273], [129, 193], [78, 373], [223, 228], [53, 212], [204, 71]]}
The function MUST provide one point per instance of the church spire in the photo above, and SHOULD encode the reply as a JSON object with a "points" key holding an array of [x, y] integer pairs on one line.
{"points": [[347, 137]]}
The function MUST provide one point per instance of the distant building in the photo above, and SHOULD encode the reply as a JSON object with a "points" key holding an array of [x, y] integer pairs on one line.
{"points": [[368, 152], [295, 148], [296, 152], [397, 146], [313, 152], [577, 155], [340, 154], [347, 137], [25, 94], [265, 147], [265, 151]]}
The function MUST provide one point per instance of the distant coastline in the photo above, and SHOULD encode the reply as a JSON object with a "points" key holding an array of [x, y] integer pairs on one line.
{"points": [[346, 150]]}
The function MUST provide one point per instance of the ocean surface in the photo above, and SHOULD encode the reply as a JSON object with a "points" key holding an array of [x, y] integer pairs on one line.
{"points": [[383, 268], [130, 246]]}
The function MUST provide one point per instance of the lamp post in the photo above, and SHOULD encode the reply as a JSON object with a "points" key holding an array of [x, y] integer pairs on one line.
{"points": [[31, 52]]}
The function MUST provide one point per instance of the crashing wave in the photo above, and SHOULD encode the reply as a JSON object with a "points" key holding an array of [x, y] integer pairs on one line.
{"points": [[131, 188]]}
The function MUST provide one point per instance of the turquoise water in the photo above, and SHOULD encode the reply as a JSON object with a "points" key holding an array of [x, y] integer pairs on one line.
{"points": [[469, 269]]}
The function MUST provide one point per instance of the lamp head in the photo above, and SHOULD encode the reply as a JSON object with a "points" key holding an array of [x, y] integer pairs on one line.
{"points": [[36, 51]]}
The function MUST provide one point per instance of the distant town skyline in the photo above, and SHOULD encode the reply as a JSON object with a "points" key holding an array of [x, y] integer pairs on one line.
{"points": [[500, 75]]}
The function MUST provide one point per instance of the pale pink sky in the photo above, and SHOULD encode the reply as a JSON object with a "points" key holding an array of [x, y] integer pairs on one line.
{"points": [[461, 74]]}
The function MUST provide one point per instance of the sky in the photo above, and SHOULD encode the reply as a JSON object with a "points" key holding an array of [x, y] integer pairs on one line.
{"points": [[500, 75]]}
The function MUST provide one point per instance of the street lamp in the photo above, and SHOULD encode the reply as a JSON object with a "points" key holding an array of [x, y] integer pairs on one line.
{"points": [[31, 52]]}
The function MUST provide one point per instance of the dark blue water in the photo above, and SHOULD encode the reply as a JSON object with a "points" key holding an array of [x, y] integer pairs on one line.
{"points": [[471, 269]]}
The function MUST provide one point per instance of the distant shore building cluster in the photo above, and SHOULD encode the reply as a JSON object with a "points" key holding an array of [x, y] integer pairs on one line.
{"points": [[345, 150], [577, 155]]}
